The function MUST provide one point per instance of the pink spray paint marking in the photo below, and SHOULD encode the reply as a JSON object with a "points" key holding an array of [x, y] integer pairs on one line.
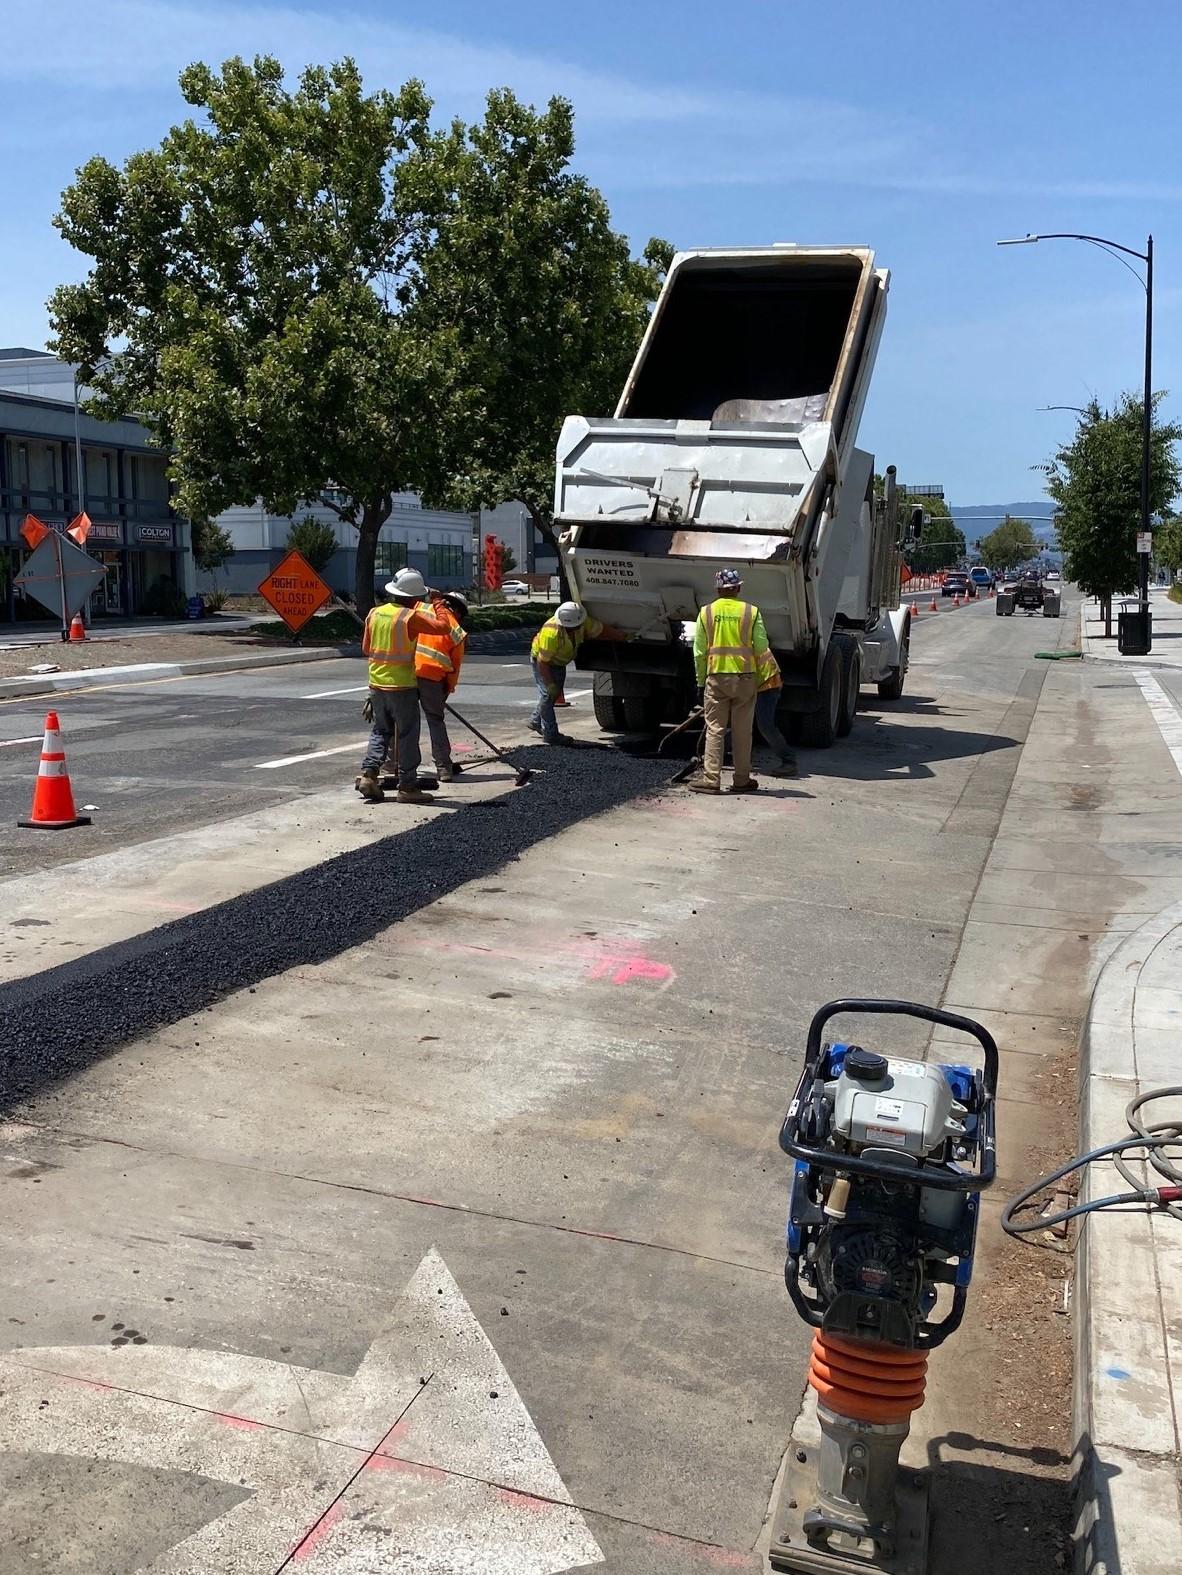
{"points": [[243, 1422], [720, 1558], [318, 1534], [411, 1468], [525, 1501], [628, 968]]}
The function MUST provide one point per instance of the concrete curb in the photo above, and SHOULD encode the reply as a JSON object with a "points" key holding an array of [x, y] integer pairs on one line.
{"points": [[1129, 1518], [87, 677]]}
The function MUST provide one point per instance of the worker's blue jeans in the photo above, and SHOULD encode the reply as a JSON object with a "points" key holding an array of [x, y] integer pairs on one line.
{"points": [[543, 720], [765, 720]]}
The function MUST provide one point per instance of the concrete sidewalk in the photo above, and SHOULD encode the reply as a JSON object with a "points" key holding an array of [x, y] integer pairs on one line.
{"points": [[1167, 633], [1128, 1413]]}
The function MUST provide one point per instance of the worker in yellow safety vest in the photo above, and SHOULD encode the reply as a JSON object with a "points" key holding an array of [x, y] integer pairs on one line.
{"points": [[438, 659], [553, 649], [767, 703], [392, 631], [729, 640]]}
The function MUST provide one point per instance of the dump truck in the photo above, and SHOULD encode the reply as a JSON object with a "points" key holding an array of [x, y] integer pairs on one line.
{"points": [[734, 445]]}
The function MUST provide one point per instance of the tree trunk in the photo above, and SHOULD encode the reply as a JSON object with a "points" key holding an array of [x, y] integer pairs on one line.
{"points": [[1106, 614], [373, 516], [544, 524]]}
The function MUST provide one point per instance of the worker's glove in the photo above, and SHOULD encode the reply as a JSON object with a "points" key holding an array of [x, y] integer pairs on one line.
{"points": [[367, 709]]}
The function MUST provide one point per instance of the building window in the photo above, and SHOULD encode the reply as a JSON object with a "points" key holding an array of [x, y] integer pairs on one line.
{"points": [[22, 469], [445, 561], [391, 557]]}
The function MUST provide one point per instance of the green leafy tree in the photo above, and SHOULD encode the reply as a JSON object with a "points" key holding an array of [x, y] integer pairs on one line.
{"points": [[1095, 481], [1012, 542], [1167, 544], [315, 539], [508, 561], [213, 546], [532, 297], [243, 293]]}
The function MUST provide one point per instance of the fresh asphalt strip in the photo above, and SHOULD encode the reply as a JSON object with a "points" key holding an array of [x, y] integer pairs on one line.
{"points": [[56, 1023]]}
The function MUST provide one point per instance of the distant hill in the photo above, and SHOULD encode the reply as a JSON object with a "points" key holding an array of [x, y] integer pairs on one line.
{"points": [[978, 519]]}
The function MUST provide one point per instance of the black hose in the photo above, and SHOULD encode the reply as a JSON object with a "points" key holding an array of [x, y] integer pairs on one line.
{"points": [[1153, 1140]]}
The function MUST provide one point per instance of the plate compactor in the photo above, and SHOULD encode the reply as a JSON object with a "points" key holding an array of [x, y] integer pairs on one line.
{"points": [[891, 1158]]}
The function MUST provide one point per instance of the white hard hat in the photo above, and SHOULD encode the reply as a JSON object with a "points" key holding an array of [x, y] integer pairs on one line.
{"points": [[407, 582], [570, 615]]}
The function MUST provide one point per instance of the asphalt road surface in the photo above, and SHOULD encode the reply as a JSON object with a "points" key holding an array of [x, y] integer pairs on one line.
{"points": [[155, 757], [460, 1248]]}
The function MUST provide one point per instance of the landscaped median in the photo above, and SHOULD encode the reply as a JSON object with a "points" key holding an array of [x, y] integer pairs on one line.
{"points": [[340, 627]]}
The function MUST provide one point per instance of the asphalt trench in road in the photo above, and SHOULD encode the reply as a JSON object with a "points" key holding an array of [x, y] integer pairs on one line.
{"points": [[58, 1022]]}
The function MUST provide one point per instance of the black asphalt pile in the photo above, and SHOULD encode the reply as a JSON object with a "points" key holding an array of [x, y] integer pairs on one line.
{"points": [[58, 1022]]}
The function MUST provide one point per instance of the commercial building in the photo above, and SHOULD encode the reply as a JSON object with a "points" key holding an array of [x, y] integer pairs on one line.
{"points": [[143, 545], [438, 543]]}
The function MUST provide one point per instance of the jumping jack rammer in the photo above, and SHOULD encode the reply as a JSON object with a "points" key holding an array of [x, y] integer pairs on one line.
{"points": [[891, 1158]]}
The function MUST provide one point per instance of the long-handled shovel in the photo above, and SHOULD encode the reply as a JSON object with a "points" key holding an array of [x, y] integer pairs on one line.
{"points": [[523, 772], [696, 715]]}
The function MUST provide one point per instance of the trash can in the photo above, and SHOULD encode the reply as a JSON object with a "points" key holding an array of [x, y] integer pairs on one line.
{"points": [[1134, 630]]}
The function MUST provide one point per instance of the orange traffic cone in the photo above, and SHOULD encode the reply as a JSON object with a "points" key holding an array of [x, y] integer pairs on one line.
{"points": [[53, 798], [77, 629], [933, 607], [956, 601], [915, 609]]}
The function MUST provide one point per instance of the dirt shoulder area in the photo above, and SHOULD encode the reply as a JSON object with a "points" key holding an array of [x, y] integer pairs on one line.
{"points": [[26, 661]]}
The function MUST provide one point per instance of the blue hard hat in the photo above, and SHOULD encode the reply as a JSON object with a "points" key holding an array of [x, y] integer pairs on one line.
{"points": [[728, 579]]}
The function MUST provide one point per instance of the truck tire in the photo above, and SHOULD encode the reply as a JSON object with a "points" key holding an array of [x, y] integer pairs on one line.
{"points": [[609, 713], [819, 728], [851, 675], [891, 687], [643, 713]]}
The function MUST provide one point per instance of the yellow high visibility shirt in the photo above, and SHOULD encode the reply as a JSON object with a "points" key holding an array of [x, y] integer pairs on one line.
{"points": [[556, 646], [389, 641], [729, 637], [767, 670]]}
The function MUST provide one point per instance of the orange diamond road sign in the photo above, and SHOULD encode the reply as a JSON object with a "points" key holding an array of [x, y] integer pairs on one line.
{"points": [[295, 591]]}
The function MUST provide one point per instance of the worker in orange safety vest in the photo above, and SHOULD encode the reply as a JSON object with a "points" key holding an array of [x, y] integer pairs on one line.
{"points": [[438, 659]]}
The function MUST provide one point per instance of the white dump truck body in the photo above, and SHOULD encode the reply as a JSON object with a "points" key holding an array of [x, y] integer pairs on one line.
{"points": [[733, 445]]}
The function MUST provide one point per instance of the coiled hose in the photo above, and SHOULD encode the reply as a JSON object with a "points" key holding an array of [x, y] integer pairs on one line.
{"points": [[1153, 1138]]}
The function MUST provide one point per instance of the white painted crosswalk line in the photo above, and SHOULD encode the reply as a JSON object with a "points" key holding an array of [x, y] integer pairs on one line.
{"points": [[315, 754]]}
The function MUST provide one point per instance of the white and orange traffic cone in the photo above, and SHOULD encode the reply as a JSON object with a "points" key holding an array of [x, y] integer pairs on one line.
{"points": [[77, 629], [915, 609], [53, 797], [933, 607]]}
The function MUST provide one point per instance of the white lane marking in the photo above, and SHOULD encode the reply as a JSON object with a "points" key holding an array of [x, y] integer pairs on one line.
{"points": [[323, 694], [316, 754], [427, 1452], [7, 743], [1165, 713]]}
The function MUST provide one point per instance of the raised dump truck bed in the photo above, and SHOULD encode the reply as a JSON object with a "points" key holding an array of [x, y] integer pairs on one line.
{"points": [[734, 444]]}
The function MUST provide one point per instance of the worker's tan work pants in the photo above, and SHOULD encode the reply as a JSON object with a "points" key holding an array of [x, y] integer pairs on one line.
{"points": [[730, 702]]}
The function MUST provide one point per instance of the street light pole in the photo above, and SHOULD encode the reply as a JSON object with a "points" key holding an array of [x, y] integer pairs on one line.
{"points": [[1146, 257]]}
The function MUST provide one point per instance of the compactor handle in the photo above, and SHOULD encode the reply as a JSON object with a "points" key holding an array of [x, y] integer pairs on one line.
{"points": [[926, 1014]]}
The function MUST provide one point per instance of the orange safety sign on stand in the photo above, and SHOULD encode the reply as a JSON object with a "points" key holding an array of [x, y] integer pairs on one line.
{"points": [[295, 591]]}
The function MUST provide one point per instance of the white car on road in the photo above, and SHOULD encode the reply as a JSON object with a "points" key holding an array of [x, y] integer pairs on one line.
{"points": [[514, 588]]}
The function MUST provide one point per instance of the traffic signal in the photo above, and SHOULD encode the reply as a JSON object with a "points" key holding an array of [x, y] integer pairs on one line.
{"points": [[493, 571]]}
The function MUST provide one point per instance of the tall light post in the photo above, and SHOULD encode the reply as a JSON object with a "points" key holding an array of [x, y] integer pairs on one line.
{"points": [[1114, 248]]}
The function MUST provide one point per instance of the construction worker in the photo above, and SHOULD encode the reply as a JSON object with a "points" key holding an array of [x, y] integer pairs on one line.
{"points": [[392, 631], [438, 659], [767, 702], [729, 640], [553, 649]]}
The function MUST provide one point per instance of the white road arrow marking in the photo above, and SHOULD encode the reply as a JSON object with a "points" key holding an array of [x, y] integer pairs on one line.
{"points": [[425, 1461]]}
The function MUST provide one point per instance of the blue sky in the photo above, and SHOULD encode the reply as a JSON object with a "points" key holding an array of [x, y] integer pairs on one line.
{"points": [[927, 128]]}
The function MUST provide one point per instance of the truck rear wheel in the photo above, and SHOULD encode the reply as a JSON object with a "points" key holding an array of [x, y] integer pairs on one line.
{"points": [[851, 671], [891, 687], [818, 728], [609, 712]]}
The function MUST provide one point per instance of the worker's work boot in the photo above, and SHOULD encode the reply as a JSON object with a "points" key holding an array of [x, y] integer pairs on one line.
{"points": [[750, 786], [369, 787], [786, 768], [447, 772], [704, 785], [413, 795]]}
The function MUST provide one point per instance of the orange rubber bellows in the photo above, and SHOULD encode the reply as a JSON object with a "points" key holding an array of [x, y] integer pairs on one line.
{"points": [[867, 1382]]}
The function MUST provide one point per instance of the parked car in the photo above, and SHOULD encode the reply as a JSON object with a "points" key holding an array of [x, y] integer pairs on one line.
{"points": [[514, 588], [957, 584]]}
